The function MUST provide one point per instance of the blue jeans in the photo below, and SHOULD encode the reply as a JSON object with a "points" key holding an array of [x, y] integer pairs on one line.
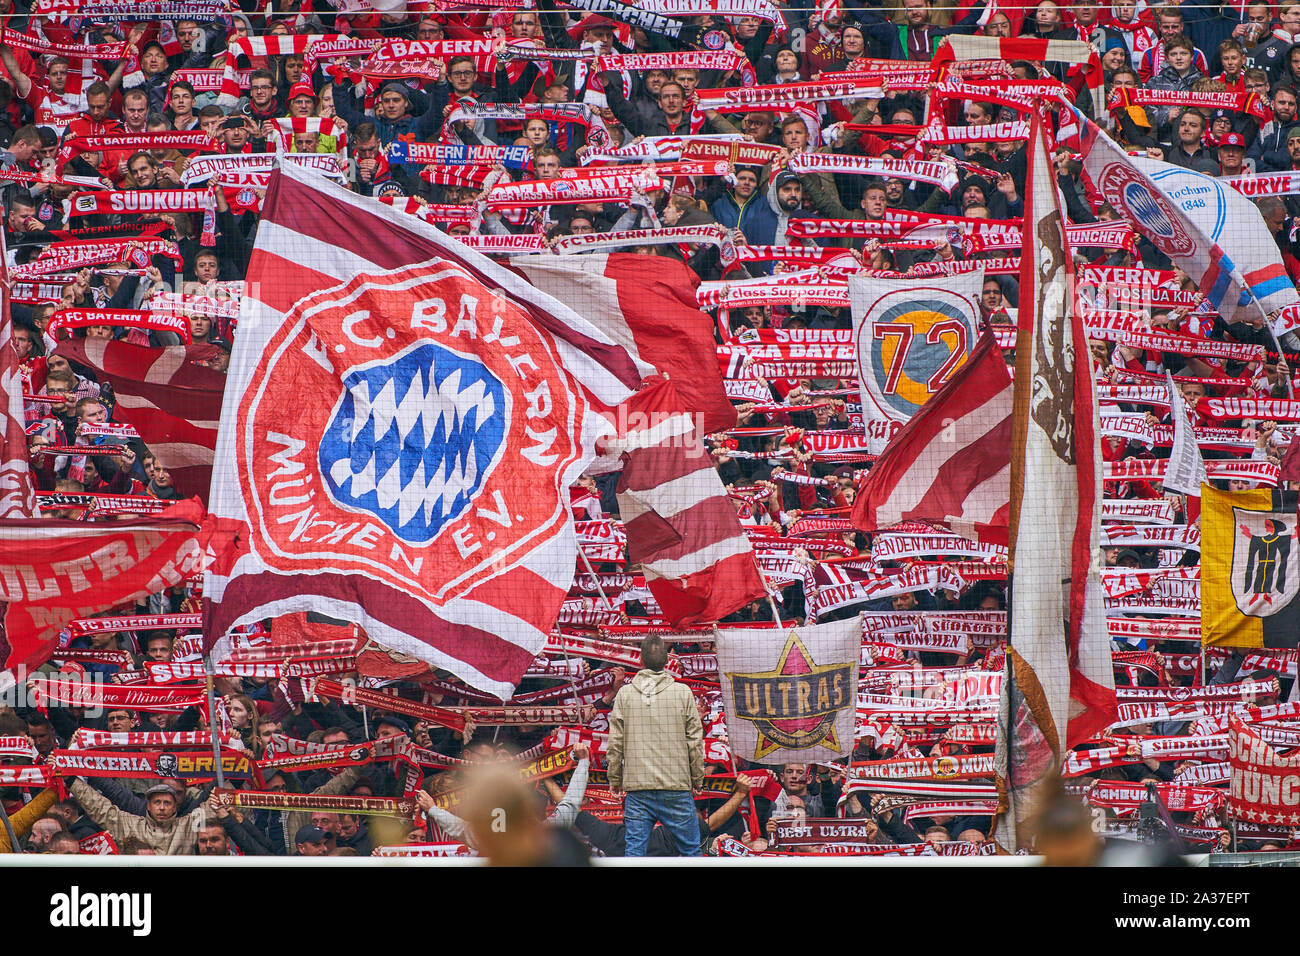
{"points": [[675, 809]]}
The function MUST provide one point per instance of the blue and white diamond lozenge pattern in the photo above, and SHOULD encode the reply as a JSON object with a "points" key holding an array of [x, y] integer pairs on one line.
{"points": [[414, 438]]}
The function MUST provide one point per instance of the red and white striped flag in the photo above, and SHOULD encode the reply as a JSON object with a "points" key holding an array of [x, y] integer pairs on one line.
{"points": [[651, 309], [173, 402], [681, 527], [17, 493], [949, 464], [403, 420], [1060, 687]]}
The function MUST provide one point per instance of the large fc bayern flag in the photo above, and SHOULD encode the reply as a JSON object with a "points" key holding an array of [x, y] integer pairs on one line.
{"points": [[402, 421]]}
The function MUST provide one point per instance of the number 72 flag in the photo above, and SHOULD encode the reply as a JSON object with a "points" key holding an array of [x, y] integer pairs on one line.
{"points": [[1250, 568], [911, 335]]}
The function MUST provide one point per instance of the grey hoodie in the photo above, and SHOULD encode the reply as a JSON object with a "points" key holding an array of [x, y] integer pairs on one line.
{"points": [[655, 736]]}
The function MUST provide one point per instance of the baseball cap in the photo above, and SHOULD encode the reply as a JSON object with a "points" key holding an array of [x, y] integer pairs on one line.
{"points": [[785, 176], [310, 834], [1233, 139], [1294, 134], [301, 88]]}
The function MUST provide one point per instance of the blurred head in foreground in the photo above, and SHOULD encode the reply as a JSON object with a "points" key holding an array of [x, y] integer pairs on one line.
{"points": [[505, 818], [1063, 833]]}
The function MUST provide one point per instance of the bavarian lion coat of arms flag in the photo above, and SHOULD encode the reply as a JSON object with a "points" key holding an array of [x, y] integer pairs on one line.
{"points": [[402, 421], [1250, 568], [791, 692]]}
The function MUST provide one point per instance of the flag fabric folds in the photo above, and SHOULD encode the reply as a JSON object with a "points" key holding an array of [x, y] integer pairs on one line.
{"points": [[173, 401], [790, 692], [1059, 686], [651, 312], [949, 465], [52, 571], [403, 418], [1210, 230], [1250, 568], [17, 491], [1186, 471], [681, 526]]}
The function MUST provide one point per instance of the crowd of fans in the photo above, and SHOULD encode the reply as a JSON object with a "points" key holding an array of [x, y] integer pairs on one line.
{"points": [[46, 102]]}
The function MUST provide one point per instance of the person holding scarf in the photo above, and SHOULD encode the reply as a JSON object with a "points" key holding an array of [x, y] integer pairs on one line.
{"points": [[1178, 74]]}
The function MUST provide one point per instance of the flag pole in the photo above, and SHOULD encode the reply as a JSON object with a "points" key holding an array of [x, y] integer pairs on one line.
{"points": [[596, 580], [212, 721], [1281, 356]]}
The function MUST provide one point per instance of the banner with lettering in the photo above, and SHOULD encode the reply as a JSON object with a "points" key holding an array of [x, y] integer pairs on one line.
{"points": [[789, 692]]}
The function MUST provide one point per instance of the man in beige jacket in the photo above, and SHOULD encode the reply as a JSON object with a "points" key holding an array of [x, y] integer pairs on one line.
{"points": [[656, 754], [160, 829]]}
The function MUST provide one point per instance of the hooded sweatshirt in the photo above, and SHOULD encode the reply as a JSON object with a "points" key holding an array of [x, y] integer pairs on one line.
{"points": [[655, 736]]}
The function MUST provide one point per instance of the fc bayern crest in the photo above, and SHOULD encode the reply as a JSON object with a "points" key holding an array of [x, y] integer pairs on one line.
{"points": [[1127, 190], [412, 426]]}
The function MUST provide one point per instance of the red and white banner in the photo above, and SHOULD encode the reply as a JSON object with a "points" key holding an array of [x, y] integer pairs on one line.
{"points": [[939, 174], [1265, 786], [443, 434], [120, 318], [52, 571], [949, 463], [142, 201], [173, 401], [681, 528], [606, 187], [786, 96]]}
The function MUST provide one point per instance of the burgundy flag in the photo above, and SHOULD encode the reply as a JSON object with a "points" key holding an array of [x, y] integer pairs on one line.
{"points": [[648, 306], [681, 526], [54, 571], [173, 402], [1291, 462], [949, 464], [1059, 688], [402, 422], [17, 493]]}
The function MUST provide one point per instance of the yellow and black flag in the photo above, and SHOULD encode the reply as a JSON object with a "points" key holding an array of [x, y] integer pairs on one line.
{"points": [[1250, 568]]}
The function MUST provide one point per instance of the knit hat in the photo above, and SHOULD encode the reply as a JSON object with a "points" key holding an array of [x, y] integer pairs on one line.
{"points": [[396, 86]]}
